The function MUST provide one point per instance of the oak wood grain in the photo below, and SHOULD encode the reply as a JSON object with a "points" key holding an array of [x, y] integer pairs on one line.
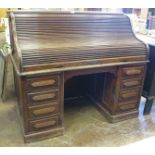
{"points": [[47, 38], [49, 48], [131, 83], [43, 83], [44, 111], [44, 124], [43, 97]]}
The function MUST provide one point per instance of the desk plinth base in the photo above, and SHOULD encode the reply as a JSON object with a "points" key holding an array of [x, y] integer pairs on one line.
{"points": [[43, 135], [117, 117], [114, 118]]}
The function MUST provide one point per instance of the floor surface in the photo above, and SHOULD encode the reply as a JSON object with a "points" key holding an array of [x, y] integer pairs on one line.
{"points": [[84, 126]]}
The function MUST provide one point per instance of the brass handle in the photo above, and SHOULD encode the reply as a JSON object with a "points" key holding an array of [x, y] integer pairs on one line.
{"points": [[44, 124], [133, 72], [43, 83], [131, 83], [127, 95], [44, 111], [43, 97]]}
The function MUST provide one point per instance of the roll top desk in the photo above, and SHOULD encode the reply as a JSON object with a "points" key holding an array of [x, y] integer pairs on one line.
{"points": [[52, 49]]}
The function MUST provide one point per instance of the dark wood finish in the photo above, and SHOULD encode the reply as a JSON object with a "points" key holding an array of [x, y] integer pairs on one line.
{"points": [[43, 110], [86, 54], [42, 97], [39, 83], [43, 124], [128, 105], [130, 93], [43, 83], [130, 72], [131, 83]]}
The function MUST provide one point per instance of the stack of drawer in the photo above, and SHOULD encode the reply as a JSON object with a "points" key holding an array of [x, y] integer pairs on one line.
{"points": [[43, 103], [131, 82]]}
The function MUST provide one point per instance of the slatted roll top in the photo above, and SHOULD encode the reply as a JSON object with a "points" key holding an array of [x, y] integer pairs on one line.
{"points": [[46, 40]]}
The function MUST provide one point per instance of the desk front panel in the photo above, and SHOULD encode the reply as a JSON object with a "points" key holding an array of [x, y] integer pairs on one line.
{"points": [[116, 91]]}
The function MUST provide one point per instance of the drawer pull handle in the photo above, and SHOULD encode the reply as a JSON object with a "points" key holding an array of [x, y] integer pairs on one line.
{"points": [[44, 111], [133, 72], [44, 124], [131, 83], [43, 97], [127, 95], [43, 83]]}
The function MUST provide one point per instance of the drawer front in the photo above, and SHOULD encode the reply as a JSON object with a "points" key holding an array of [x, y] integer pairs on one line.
{"points": [[128, 105], [42, 83], [42, 97], [125, 84], [128, 72], [43, 110], [129, 94], [43, 124]]}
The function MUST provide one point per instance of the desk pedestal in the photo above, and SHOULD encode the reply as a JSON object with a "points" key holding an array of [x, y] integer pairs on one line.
{"points": [[115, 90]]}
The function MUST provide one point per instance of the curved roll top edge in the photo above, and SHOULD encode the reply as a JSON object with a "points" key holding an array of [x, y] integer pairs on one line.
{"points": [[37, 31], [146, 46]]}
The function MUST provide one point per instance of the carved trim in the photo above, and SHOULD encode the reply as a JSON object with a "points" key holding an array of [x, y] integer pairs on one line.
{"points": [[43, 97], [43, 83], [44, 124]]}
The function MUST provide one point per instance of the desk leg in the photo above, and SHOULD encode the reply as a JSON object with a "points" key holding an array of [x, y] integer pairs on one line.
{"points": [[148, 106]]}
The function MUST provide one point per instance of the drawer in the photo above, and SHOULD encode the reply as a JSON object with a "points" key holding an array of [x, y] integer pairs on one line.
{"points": [[43, 110], [128, 72], [129, 94], [128, 105], [42, 83], [42, 97], [125, 84], [43, 124]]}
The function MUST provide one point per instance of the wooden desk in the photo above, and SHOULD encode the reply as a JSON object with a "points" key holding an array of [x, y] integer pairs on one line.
{"points": [[58, 55]]}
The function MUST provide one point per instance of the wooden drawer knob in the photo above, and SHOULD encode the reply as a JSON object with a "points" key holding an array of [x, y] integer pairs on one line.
{"points": [[131, 83], [44, 124], [43, 83], [44, 111], [133, 72], [43, 97]]}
